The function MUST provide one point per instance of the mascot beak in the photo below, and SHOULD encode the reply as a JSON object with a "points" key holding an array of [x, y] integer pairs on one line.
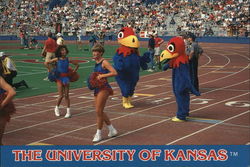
{"points": [[166, 56], [130, 41]]}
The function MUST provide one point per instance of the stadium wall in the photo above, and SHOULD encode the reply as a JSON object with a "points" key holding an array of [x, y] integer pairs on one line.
{"points": [[240, 40]]}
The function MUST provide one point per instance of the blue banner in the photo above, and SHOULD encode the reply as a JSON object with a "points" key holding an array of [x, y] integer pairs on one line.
{"points": [[126, 156]]}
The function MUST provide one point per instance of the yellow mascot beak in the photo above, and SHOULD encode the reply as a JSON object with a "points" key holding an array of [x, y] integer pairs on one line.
{"points": [[165, 55], [130, 41]]}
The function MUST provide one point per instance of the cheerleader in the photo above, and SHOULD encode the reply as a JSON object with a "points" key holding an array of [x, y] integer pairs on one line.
{"points": [[64, 76], [7, 107], [102, 90]]}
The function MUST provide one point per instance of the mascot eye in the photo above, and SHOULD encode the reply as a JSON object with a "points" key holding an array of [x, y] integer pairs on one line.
{"points": [[120, 35], [171, 47]]}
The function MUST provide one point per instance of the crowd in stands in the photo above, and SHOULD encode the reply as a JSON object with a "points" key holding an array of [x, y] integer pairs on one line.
{"points": [[211, 17]]}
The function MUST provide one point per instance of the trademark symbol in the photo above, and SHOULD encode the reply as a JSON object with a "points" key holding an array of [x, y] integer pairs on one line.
{"points": [[234, 154]]}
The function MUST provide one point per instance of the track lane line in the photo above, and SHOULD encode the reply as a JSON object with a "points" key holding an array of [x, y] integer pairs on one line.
{"points": [[80, 114], [68, 132], [168, 119]]}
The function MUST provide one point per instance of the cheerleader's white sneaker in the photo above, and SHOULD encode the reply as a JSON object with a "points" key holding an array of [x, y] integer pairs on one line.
{"points": [[57, 111]]}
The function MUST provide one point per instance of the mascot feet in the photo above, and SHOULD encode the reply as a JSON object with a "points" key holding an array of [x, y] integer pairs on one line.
{"points": [[126, 103], [129, 102], [175, 119]]}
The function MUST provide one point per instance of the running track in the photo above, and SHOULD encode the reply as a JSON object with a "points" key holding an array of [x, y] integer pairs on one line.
{"points": [[219, 116]]}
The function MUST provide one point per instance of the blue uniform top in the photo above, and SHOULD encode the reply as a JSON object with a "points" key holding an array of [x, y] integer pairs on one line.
{"points": [[63, 69], [98, 68]]}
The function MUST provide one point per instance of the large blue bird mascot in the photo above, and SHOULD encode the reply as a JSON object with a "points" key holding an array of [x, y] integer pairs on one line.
{"points": [[127, 63], [175, 57]]}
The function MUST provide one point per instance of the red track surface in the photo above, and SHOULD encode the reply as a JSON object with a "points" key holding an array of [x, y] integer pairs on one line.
{"points": [[221, 114]]}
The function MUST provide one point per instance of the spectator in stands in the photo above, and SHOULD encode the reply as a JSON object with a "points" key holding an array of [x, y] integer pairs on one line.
{"points": [[101, 38], [21, 35], [172, 21], [190, 15], [79, 40], [26, 40], [49, 51], [151, 47], [10, 71]]}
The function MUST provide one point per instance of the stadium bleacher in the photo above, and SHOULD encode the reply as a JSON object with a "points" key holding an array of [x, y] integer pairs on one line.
{"points": [[221, 18]]}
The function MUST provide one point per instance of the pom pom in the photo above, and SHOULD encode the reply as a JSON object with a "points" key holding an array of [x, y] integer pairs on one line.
{"points": [[96, 83], [53, 75], [73, 76]]}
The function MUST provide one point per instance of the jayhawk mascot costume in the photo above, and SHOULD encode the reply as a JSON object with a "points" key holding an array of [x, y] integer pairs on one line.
{"points": [[127, 63], [175, 57]]}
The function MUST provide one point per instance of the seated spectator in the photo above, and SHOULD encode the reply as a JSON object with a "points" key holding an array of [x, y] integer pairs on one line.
{"points": [[10, 71]]}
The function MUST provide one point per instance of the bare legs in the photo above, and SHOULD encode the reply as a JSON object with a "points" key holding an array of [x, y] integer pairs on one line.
{"points": [[63, 91], [100, 101], [3, 122]]}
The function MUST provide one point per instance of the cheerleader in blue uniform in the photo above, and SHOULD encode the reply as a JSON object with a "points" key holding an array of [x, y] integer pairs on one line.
{"points": [[7, 107], [102, 90], [63, 78]]}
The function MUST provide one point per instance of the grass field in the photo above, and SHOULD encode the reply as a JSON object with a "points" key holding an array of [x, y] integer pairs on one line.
{"points": [[31, 69]]}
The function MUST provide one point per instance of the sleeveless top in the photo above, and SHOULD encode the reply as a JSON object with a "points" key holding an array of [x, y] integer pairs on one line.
{"points": [[98, 68], [63, 69]]}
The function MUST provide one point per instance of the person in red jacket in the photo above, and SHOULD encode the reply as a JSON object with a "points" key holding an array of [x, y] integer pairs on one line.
{"points": [[48, 52]]}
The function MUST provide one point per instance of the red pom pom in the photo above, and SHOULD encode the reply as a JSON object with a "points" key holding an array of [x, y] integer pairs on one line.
{"points": [[73, 76], [96, 83]]}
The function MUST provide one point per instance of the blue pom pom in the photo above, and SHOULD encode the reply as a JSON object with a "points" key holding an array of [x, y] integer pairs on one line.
{"points": [[53, 75]]}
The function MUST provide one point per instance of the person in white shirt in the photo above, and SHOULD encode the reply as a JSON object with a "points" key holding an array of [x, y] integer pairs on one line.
{"points": [[79, 40], [60, 40]]}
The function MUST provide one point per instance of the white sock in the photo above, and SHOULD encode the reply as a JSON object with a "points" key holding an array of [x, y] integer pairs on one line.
{"points": [[68, 109], [57, 107], [98, 131], [110, 127]]}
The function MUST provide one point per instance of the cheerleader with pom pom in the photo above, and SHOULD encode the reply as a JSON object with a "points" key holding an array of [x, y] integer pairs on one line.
{"points": [[7, 107], [102, 90], [63, 74]]}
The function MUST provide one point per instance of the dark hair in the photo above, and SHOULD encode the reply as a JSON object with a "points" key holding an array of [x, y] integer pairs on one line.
{"points": [[59, 48], [49, 34], [192, 36]]}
